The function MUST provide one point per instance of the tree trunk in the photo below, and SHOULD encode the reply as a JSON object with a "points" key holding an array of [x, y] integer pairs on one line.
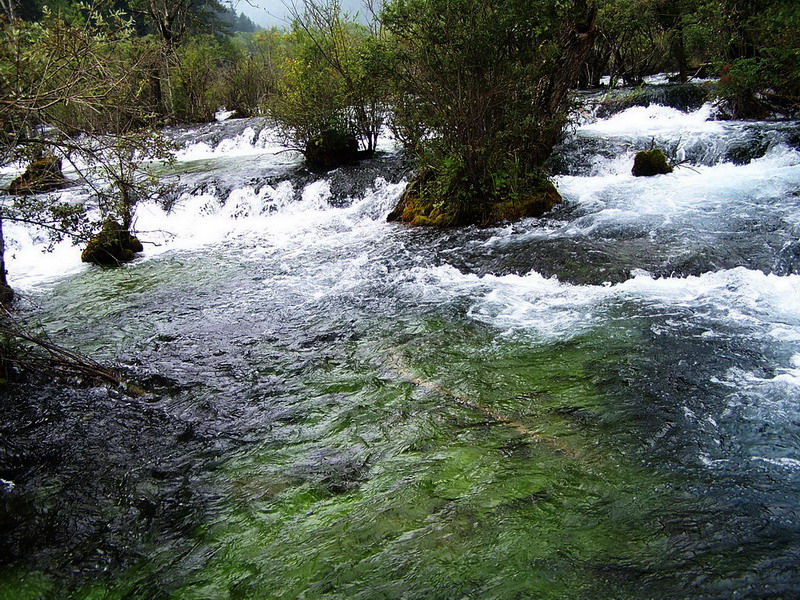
{"points": [[6, 293], [679, 53], [573, 56], [579, 43]]}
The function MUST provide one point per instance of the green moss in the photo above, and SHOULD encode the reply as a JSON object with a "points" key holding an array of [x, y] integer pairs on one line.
{"points": [[42, 175], [111, 246], [432, 460], [486, 471], [422, 205], [650, 162], [22, 585], [534, 204]]}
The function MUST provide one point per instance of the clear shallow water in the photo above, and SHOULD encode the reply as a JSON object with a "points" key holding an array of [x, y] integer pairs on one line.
{"points": [[601, 404]]}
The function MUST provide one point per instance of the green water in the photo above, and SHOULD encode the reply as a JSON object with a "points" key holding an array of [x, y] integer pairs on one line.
{"points": [[445, 464]]}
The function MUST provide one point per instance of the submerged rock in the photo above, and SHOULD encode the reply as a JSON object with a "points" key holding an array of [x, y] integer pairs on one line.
{"points": [[650, 162], [111, 246], [788, 259], [42, 175]]}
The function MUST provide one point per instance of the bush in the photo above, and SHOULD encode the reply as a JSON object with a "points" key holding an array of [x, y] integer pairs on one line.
{"points": [[335, 82], [484, 90]]}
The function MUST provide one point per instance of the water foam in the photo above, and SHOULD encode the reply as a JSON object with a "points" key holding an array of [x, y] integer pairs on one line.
{"points": [[655, 120], [552, 310], [249, 141], [705, 197]]}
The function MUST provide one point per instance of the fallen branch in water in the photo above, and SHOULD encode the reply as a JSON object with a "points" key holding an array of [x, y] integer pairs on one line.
{"points": [[683, 165], [23, 352]]}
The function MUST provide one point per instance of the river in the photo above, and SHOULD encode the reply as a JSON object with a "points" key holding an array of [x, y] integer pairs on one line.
{"points": [[603, 403]]}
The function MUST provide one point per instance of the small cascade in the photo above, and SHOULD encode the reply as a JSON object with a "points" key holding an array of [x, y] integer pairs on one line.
{"points": [[690, 138]]}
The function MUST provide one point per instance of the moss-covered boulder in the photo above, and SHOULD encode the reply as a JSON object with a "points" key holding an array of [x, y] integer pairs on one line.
{"points": [[42, 175], [416, 210], [650, 162], [111, 246], [534, 204], [331, 149]]}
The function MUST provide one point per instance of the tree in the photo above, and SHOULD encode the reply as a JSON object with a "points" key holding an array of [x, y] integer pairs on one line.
{"points": [[757, 42], [171, 21], [631, 42], [489, 84], [27, 10], [333, 92], [70, 89]]}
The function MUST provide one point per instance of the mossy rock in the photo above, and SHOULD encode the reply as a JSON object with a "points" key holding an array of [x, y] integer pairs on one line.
{"points": [[531, 205], [650, 162], [414, 210], [331, 149], [111, 246], [42, 175]]}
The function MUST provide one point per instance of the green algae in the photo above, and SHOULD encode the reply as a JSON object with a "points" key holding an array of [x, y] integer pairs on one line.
{"points": [[401, 490], [430, 459], [18, 584]]}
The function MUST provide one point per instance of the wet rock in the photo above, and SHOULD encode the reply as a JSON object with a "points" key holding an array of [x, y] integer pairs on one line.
{"points": [[417, 210], [650, 162], [746, 151], [112, 246], [788, 260], [331, 149], [42, 175], [534, 204]]}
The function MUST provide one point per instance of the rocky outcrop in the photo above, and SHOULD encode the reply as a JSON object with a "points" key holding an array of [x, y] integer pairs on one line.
{"points": [[414, 210], [111, 246], [534, 204], [42, 175], [650, 162]]}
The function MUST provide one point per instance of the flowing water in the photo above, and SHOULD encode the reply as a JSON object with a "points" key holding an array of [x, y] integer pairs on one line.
{"points": [[599, 404]]}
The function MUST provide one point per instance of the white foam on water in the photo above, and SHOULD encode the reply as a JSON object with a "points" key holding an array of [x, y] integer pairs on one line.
{"points": [[223, 114], [549, 309], [31, 265], [263, 141], [703, 197], [792, 464], [655, 120], [248, 142], [12, 169]]}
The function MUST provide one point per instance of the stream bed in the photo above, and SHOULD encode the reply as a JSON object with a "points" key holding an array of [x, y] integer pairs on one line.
{"points": [[603, 403]]}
